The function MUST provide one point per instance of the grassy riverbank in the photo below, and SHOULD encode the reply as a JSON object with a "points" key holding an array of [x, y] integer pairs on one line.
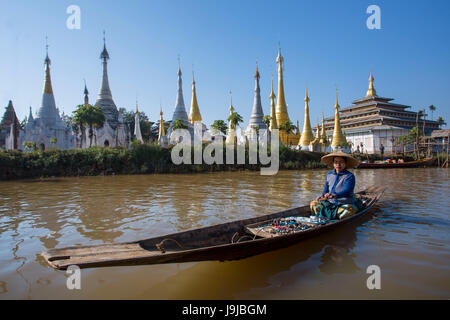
{"points": [[140, 159]]}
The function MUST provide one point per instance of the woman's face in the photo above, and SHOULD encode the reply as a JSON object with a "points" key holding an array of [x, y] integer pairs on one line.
{"points": [[339, 163]]}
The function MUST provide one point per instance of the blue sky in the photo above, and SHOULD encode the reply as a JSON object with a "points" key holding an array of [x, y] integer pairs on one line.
{"points": [[324, 43]]}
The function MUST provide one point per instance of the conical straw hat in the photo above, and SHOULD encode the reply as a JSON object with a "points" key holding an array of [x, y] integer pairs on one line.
{"points": [[350, 162]]}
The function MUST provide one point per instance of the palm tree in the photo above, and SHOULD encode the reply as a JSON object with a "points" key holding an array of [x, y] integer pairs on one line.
{"points": [[91, 116], [440, 121], [235, 118], [288, 127], [220, 126], [432, 108], [394, 145]]}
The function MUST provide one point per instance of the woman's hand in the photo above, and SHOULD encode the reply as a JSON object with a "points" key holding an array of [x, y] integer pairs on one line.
{"points": [[324, 197]]}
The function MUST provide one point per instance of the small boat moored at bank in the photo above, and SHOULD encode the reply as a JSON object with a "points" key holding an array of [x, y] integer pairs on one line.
{"points": [[409, 164]]}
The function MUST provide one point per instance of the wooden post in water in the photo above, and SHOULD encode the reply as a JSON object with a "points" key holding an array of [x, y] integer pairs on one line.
{"points": [[446, 161]]}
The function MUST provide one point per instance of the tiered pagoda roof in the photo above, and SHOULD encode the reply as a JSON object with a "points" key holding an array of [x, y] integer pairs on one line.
{"points": [[376, 113]]}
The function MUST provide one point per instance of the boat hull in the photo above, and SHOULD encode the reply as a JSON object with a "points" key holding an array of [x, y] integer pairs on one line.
{"points": [[220, 242], [411, 164]]}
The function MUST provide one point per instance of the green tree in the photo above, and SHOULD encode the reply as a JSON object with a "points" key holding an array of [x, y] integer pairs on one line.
{"points": [[440, 121], [53, 140], [30, 145], [145, 123], [90, 116], [179, 124], [432, 108], [220, 126], [287, 127], [266, 120]]}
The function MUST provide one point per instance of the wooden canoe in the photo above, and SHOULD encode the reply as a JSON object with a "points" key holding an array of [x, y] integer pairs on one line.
{"points": [[409, 164], [227, 241]]}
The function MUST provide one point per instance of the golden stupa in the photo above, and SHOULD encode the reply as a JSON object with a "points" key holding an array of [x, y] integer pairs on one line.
{"points": [[281, 110], [338, 137], [307, 135], [194, 113]]}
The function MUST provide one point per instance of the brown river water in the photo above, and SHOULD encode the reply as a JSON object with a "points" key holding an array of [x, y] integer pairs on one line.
{"points": [[407, 235]]}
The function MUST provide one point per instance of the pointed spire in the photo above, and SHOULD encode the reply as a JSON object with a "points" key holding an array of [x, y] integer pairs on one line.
{"points": [[323, 135], [9, 116], [257, 72], [47, 112], [86, 94], [282, 113], [371, 92], [48, 82], [104, 92], [47, 60], [137, 125], [180, 109], [273, 114], [137, 109], [307, 135], [194, 114], [231, 133], [257, 114], [30, 115], [338, 137], [104, 55], [161, 132], [231, 103]]}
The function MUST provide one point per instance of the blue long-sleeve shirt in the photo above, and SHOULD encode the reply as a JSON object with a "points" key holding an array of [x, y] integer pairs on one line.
{"points": [[341, 185]]}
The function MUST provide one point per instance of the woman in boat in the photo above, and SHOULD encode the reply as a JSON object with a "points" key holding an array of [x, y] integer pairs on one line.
{"points": [[337, 199]]}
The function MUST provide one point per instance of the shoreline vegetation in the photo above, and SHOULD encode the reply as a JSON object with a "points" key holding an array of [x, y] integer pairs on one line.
{"points": [[139, 159]]}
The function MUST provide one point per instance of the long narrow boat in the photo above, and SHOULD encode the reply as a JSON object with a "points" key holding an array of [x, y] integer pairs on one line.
{"points": [[227, 241], [409, 164]]}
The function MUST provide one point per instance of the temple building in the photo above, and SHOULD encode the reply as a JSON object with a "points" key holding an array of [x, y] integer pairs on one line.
{"points": [[47, 129], [114, 132], [256, 117], [9, 129], [373, 121], [281, 110]]}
